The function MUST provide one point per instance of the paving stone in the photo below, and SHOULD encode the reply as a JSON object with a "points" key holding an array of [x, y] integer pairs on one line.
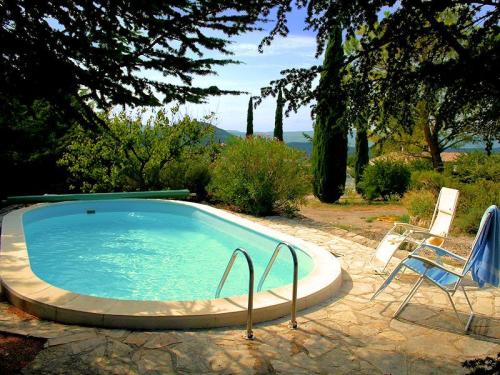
{"points": [[114, 333], [161, 340], [66, 339], [153, 362], [138, 338], [87, 345]]}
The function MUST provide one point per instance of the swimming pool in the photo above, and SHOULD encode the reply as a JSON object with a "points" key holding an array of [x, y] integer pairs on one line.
{"points": [[153, 251], [150, 264]]}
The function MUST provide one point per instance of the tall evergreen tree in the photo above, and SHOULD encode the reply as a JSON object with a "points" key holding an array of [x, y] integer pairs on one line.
{"points": [[329, 154], [278, 117], [250, 118], [362, 156]]}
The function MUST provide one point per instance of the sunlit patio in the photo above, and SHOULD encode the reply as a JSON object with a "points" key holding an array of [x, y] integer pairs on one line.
{"points": [[347, 333]]}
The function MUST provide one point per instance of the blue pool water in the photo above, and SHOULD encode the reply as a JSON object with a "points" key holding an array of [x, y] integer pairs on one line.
{"points": [[147, 250]]}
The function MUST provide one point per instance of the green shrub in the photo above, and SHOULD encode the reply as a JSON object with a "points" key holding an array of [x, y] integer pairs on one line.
{"points": [[421, 164], [131, 155], [430, 180], [384, 179], [475, 166], [191, 173], [420, 205], [260, 176], [473, 201]]}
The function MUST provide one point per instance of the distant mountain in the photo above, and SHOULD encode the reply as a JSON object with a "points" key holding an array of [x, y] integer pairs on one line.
{"points": [[221, 135], [297, 140], [290, 137], [307, 147], [302, 146]]}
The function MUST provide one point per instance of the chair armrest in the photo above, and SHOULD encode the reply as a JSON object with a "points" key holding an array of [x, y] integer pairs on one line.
{"points": [[425, 234], [439, 251], [409, 226], [434, 264]]}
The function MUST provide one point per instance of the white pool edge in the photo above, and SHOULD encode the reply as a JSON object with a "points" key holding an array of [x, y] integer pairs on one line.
{"points": [[35, 296]]}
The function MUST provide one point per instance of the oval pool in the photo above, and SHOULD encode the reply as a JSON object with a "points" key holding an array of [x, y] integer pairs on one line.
{"points": [[150, 264], [147, 250]]}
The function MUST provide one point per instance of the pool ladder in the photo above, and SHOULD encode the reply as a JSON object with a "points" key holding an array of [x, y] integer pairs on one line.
{"points": [[239, 250], [293, 322], [293, 319]]}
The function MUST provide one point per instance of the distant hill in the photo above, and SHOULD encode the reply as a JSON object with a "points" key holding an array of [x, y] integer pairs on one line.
{"points": [[289, 137], [294, 139], [297, 140], [307, 147], [303, 146], [221, 135]]}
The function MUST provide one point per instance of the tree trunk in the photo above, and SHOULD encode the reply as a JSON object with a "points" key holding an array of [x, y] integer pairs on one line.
{"points": [[433, 143], [362, 154]]}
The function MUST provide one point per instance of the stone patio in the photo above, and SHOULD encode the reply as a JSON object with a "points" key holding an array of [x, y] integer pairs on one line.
{"points": [[344, 334]]}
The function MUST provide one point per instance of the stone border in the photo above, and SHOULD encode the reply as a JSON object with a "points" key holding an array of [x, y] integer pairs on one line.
{"points": [[28, 292]]}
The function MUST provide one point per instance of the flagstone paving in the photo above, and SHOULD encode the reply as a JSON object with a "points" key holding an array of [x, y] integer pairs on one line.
{"points": [[345, 334]]}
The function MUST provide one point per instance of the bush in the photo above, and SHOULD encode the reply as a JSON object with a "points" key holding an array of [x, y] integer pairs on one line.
{"points": [[420, 164], [260, 176], [384, 179], [475, 166], [473, 201], [191, 173], [130, 155], [420, 205], [430, 180]]}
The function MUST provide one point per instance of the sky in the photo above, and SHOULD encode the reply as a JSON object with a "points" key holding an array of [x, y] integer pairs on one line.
{"points": [[256, 71]]}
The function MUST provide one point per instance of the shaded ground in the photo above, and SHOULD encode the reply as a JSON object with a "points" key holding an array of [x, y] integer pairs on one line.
{"points": [[16, 352]]}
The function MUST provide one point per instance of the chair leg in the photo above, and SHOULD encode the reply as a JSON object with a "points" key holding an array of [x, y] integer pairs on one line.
{"points": [[471, 315], [453, 305], [409, 296], [387, 281]]}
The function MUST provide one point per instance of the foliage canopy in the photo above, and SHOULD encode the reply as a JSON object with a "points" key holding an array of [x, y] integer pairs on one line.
{"points": [[450, 47], [53, 49], [129, 155]]}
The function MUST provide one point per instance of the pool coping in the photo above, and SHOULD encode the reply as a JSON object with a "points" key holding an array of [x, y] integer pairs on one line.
{"points": [[28, 292]]}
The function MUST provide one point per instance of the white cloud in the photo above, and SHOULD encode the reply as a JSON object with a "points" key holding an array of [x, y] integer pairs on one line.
{"points": [[292, 44]]}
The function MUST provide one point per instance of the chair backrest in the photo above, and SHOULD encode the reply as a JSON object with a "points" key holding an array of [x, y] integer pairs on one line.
{"points": [[483, 226], [444, 212]]}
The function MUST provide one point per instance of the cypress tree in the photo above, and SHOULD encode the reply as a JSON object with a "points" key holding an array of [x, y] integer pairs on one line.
{"points": [[361, 154], [278, 117], [329, 154], [250, 118]]}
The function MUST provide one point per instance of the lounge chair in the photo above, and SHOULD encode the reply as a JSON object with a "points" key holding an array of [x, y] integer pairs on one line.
{"points": [[400, 233], [483, 263]]}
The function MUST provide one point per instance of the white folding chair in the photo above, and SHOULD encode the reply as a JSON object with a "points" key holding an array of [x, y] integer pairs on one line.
{"points": [[400, 233]]}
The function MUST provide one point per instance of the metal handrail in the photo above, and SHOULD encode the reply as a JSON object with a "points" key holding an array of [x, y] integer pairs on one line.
{"points": [[293, 320], [249, 334]]}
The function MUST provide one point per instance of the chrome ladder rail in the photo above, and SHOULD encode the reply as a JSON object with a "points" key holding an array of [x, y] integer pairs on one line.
{"points": [[293, 320], [249, 334]]}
